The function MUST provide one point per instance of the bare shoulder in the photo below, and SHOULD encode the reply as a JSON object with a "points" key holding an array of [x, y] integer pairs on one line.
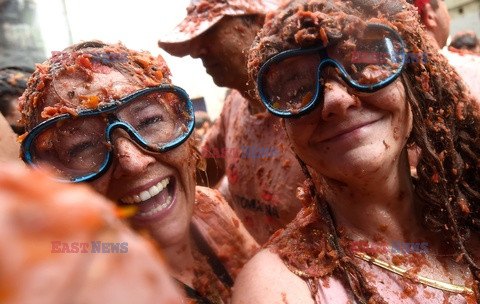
{"points": [[266, 279]]}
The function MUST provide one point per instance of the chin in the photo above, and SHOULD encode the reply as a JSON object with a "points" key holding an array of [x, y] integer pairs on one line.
{"points": [[359, 162], [171, 227], [170, 234], [220, 82]]}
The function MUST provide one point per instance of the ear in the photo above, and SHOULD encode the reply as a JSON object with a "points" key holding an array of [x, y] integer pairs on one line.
{"points": [[429, 17]]}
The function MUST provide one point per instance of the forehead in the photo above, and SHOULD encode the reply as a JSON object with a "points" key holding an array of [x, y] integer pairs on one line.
{"points": [[79, 89]]}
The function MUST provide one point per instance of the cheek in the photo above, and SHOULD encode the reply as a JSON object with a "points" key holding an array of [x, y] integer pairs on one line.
{"points": [[183, 160], [299, 132], [102, 184]]}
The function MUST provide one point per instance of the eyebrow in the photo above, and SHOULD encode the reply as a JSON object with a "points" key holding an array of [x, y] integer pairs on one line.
{"points": [[139, 106]]}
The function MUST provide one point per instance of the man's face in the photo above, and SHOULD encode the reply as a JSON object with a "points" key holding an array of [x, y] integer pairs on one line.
{"points": [[223, 50], [12, 115], [442, 31]]}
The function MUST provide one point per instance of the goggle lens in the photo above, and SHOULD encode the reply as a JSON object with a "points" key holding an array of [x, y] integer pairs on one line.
{"points": [[78, 147], [290, 81]]}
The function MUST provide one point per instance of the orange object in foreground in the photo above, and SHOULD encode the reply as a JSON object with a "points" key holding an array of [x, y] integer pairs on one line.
{"points": [[59, 245]]}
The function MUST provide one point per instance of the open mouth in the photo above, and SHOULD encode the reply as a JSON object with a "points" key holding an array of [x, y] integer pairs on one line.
{"points": [[154, 200]]}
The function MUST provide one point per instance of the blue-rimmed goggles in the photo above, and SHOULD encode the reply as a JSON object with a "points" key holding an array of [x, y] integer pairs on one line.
{"points": [[79, 147], [290, 82]]}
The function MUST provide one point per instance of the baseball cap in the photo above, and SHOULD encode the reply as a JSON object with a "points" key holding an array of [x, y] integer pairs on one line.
{"points": [[203, 14]]}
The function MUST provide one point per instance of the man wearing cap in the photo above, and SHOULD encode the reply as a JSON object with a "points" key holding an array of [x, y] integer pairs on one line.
{"points": [[434, 15], [246, 143], [13, 81]]}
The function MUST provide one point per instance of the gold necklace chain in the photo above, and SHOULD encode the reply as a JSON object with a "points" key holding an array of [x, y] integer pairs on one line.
{"points": [[464, 290], [417, 278]]}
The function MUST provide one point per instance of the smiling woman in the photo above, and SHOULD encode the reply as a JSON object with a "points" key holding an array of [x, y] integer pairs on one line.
{"points": [[124, 128], [350, 124]]}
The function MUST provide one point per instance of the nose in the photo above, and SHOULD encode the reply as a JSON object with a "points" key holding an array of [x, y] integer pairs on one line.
{"points": [[131, 160], [197, 48], [336, 100]]}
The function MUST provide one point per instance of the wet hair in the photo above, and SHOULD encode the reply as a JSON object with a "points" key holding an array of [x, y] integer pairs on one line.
{"points": [[445, 119], [137, 67], [466, 40]]}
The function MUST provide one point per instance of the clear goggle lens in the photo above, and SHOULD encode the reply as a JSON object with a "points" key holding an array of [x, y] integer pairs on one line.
{"points": [[78, 147], [290, 81]]}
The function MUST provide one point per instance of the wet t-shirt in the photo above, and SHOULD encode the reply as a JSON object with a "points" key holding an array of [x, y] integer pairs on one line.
{"points": [[467, 66], [261, 170], [222, 246]]}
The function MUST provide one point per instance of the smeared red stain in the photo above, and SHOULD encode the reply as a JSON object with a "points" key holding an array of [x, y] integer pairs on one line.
{"points": [[323, 36], [387, 146], [41, 85], [249, 221], [266, 195], [395, 133], [232, 174], [459, 110], [236, 223], [89, 102], [397, 260], [84, 62], [383, 228], [409, 290], [269, 220], [49, 112], [260, 172], [22, 137], [463, 206], [158, 75], [286, 164]]}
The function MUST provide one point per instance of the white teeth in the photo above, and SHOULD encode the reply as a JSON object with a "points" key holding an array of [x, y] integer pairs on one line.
{"points": [[159, 186], [158, 208], [146, 194], [154, 191], [165, 182]]}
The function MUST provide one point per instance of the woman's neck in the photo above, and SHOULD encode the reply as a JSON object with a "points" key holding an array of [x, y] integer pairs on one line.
{"points": [[380, 206], [180, 259]]}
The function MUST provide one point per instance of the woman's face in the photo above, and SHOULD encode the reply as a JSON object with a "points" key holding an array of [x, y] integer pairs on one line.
{"points": [[160, 185], [351, 134]]}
